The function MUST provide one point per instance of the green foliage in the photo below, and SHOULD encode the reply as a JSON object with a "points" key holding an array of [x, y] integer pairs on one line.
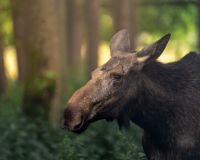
{"points": [[6, 22], [104, 141], [22, 138], [161, 19]]}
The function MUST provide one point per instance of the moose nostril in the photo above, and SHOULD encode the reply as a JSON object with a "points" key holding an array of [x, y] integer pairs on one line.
{"points": [[65, 119], [78, 125]]}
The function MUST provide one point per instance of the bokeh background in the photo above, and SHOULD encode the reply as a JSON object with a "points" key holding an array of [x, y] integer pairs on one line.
{"points": [[48, 49]]}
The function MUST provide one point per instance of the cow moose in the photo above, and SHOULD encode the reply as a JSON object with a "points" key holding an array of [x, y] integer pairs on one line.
{"points": [[163, 99]]}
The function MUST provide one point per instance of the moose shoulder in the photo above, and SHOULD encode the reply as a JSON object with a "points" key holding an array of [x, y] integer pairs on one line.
{"points": [[163, 99]]}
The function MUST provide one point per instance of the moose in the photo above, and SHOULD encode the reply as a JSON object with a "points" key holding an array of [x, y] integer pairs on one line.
{"points": [[163, 99]]}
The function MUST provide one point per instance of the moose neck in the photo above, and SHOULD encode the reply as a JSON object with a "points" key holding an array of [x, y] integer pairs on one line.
{"points": [[153, 108]]}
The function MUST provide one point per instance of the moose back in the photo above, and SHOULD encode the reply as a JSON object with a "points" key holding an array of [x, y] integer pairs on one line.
{"points": [[163, 99]]}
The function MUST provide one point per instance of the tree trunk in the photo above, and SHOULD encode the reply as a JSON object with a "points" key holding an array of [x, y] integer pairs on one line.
{"points": [[2, 68], [125, 16], [61, 7], [19, 29], [92, 10], [38, 49], [74, 33], [198, 25]]}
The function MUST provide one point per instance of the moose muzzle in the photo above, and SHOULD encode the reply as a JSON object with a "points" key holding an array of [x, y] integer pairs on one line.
{"points": [[76, 114]]}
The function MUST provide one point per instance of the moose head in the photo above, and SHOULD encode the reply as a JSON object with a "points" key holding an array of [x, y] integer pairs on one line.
{"points": [[112, 86]]}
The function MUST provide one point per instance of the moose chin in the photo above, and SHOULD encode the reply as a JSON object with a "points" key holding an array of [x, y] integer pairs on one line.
{"points": [[163, 99]]}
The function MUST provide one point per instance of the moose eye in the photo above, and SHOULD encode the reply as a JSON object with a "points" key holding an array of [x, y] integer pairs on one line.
{"points": [[116, 76]]}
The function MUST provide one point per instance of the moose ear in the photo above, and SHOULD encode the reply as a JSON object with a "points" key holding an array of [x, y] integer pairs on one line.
{"points": [[153, 51], [120, 43]]}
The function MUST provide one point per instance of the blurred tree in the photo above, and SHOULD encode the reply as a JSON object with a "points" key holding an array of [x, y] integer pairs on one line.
{"points": [[19, 34], [62, 85], [2, 47], [92, 11], [124, 15], [37, 42], [61, 8], [2, 68], [198, 24], [74, 33]]}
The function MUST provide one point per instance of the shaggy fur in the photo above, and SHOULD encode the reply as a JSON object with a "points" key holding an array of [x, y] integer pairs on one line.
{"points": [[167, 107]]}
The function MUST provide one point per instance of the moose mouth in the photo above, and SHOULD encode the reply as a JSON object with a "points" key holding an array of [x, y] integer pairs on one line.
{"points": [[81, 129], [86, 121]]}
